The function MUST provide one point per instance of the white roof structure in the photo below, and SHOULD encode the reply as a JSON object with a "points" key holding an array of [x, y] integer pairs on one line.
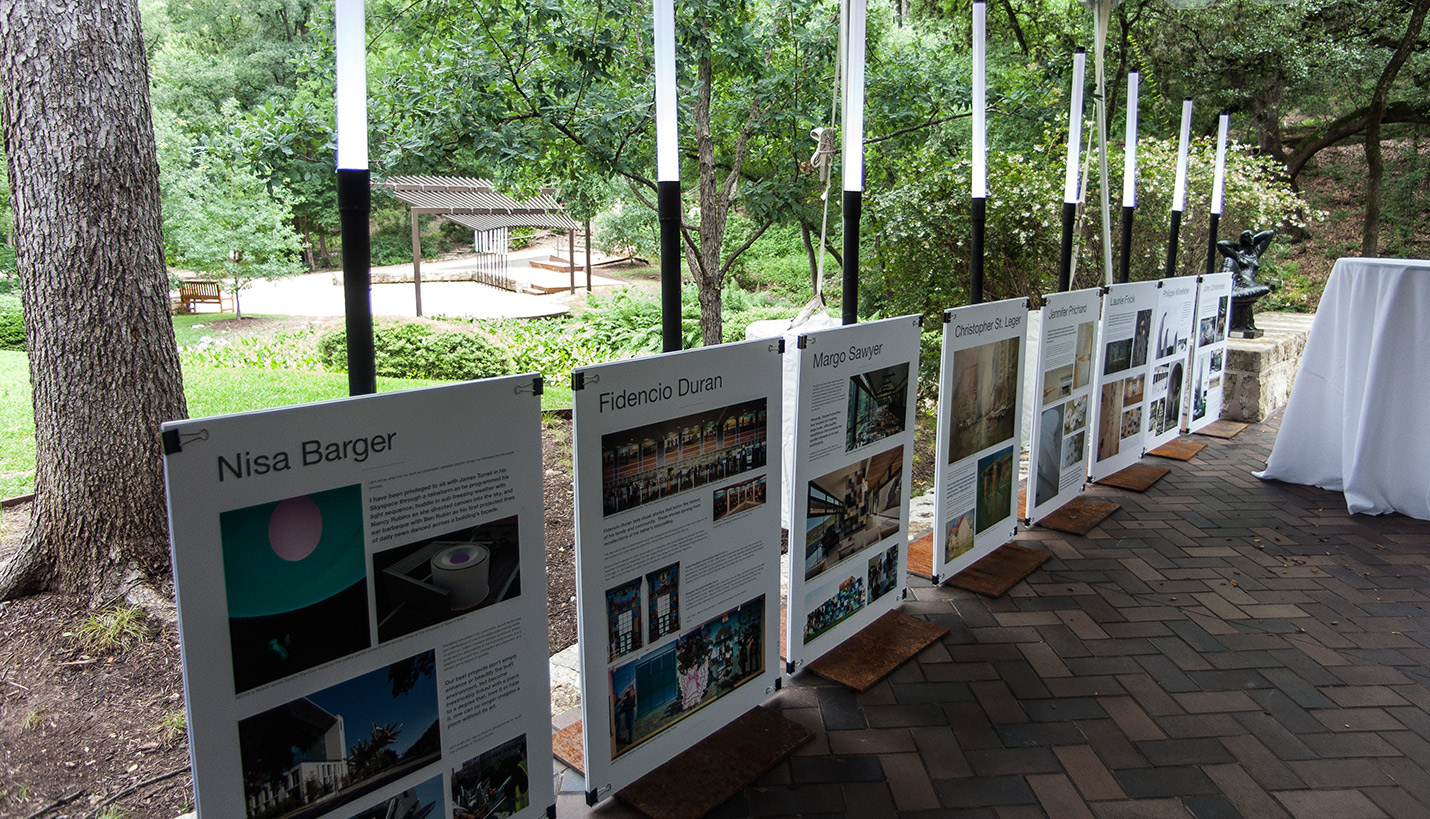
{"points": [[476, 204]]}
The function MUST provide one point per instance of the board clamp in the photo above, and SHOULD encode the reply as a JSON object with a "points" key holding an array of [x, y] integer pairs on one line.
{"points": [[174, 440], [578, 380], [538, 384], [802, 342]]}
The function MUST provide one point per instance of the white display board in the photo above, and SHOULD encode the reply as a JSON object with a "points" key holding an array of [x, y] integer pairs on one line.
{"points": [[1057, 460], [849, 498], [359, 585], [1170, 350], [677, 551], [980, 420], [1119, 401], [1208, 366]]}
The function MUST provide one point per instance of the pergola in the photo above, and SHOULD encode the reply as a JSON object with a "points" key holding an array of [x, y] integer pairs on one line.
{"points": [[475, 204]]}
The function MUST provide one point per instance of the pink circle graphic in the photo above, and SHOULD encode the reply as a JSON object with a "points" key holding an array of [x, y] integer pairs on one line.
{"points": [[295, 528]]}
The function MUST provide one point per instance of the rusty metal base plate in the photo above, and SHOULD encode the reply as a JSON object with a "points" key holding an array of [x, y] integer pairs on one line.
{"points": [[566, 746], [874, 653], [701, 778], [1222, 429], [1000, 571], [1079, 515], [921, 556], [1137, 477], [1179, 449]]}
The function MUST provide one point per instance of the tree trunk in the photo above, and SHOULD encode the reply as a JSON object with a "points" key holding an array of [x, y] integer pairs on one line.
{"points": [[713, 211], [1375, 164], [85, 182]]}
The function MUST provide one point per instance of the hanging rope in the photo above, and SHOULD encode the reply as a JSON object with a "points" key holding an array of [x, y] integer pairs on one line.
{"points": [[826, 149]]}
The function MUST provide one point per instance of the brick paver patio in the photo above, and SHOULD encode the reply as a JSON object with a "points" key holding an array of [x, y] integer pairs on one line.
{"points": [[1220, 647]]}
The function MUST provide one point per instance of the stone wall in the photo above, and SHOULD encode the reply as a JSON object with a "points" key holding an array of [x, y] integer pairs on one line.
{"points": [[1260, 371]]}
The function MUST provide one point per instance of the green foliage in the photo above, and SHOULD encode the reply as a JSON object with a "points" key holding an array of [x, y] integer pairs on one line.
{"points": [[222, 220], [415, 350], [283, 351], [12, 322], [922, 228], [116, 627], [629, 225]]}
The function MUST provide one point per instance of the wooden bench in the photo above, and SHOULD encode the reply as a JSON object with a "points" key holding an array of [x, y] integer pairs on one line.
{"points": [[192, 294]]}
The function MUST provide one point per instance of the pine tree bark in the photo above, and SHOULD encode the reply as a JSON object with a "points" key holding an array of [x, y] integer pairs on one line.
{"points": [[84, 177]]}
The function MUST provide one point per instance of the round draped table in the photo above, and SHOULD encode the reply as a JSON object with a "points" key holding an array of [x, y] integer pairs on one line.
{"points": [[1358, 420]]}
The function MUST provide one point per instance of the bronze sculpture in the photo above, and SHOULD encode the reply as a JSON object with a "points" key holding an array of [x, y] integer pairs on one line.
{"points": [[1243, 258]]}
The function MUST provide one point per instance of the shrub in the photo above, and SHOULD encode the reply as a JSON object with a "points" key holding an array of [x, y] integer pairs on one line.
{"points": [[921, 229], [12, 323], [414, 350]]}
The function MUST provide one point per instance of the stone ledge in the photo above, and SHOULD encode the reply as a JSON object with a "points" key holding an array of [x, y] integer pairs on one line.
{"points": [[1260, 371]]}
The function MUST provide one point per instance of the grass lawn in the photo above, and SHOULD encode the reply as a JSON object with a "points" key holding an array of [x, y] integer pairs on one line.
{"points": [[209, 390], [17, 426]]}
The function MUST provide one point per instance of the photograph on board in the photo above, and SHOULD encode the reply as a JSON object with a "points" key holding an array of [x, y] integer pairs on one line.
{"points": [[342, 742], [623, 619], [958, 536], [878, 405], [663, 596], [839, 604], [295, 580], [655, 691], [492, 784], [1140, 338], [419, 802], [996, 473], [738, 497], [654, 461], [435, 579], [883, 572], [850, 509], [1109, 420], [1050, 450], [983, 408]]}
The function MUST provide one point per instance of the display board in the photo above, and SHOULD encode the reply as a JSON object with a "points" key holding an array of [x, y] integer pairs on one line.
{"points": [[1170, 351], [359, 584], [677, 551], [1209, 356], [1119, 401], [853, 443], [1057, 460], [980, 422]]}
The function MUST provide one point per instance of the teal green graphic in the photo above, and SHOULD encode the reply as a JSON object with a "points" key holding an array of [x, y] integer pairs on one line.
{"points": [[290, 554]]}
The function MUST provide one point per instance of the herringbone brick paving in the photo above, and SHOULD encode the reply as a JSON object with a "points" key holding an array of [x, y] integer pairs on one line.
{"points": [[1220, 647]]}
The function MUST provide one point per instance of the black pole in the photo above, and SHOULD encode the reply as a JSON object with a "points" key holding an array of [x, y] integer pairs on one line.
{"points": [[853, 208], [1125, 272], [1211, 244], [354, 205], [1172, 245], [667, 202], [980, 221], [1065, 258]]}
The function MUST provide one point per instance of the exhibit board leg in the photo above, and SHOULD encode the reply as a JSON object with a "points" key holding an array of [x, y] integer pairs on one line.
{"points": [[1001, 570], [874, 653], [1138, 477], [921, 557], [1179, 449], [1222, 429], [1079, 515], [700, 778]]}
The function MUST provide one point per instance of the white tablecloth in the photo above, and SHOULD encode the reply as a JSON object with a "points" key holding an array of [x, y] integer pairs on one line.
{"points": [[1358, 420]]}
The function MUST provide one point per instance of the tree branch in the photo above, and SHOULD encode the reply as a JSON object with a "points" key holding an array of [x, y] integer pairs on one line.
{"points": [[912, 128], [754, 237]]}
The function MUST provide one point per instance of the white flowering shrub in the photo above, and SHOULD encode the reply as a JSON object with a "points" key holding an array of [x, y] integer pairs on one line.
{"points": [[920, 230]]}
